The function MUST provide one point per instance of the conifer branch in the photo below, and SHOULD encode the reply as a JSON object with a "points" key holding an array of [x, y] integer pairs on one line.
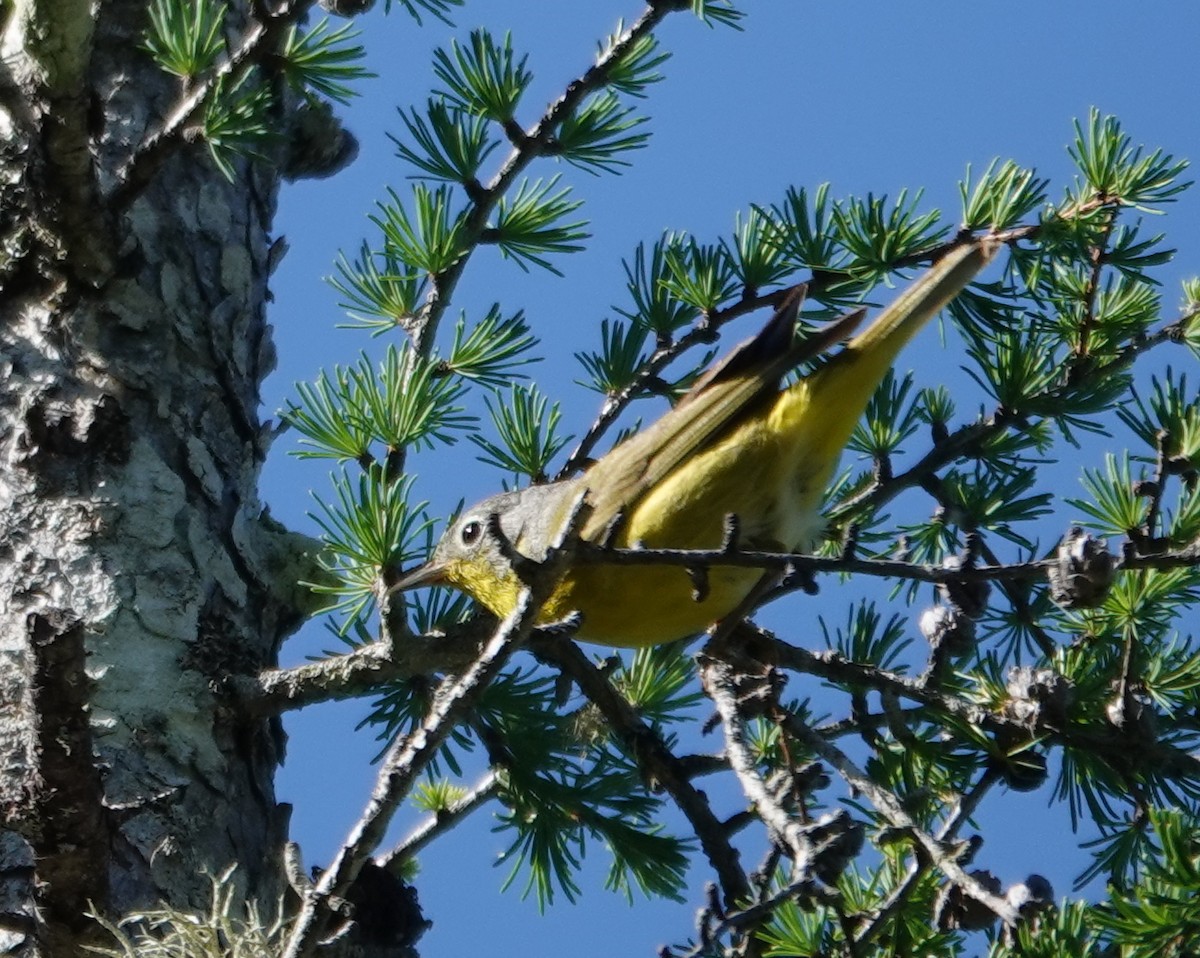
{"points": [[178, 127]]}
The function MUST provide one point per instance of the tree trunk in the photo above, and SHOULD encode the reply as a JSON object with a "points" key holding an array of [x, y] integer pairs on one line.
{"points": [[136, 567]]}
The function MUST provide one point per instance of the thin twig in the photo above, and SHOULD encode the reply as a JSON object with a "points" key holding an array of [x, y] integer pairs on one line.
{"points": [[949, 830], [1159, 486], [967, 804], [1110, 744], [891, 809], [410, 755], [805, 562], [527, 147], [407, 759], [274, 691], [994, 571], [747, 917], [1092, 293], [785, 828], [337, 677], [136, 172], [442, 821], [652, 754], [976, 434]]}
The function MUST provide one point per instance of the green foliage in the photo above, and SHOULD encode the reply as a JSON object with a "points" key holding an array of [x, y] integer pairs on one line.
{"points": [[718, 13], [400, 708], [594, 136], [439, 609], [637, 68], [1112, 167], [483, 78], [431, 238], [378, 290], [620, 360], [1115, 507], [985, 498], [1189, 324], [1121, 310], [1017, 368], [889, 420], [935, 406], [240, 109], [321, 418], [758, 257], [437, 8], [804, 229], [371, 526], [552, 816], [556, 797], [701, 276], [658, 682], [796, 931], [655, 307], [527, 426], [324, 60], [494, 349], [451, 145], [1173, 675], [437, 797], [866, 638], [802, 928], [877, 237], [410, 401], [236, 121], [529, 225], [1068, 931], [1133, 256], [407, 400], [560, 784], [1170, 421], [184, 36], [1160, 916], [1002, 197]]}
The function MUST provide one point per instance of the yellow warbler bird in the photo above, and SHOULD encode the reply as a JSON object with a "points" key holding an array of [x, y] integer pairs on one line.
{"points": [[735, 444]]}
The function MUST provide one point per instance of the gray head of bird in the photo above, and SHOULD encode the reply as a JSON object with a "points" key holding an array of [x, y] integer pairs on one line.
{"points": [[471, 556]]}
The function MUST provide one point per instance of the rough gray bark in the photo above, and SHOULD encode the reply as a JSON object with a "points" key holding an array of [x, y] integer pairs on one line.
{"points": [[136, 566]]}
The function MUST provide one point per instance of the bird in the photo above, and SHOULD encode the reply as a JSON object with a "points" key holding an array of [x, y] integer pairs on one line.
{"points": [[740, 447]]}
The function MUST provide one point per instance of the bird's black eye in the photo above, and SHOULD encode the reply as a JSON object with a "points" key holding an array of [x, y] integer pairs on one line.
{"points": [[471, 531]]}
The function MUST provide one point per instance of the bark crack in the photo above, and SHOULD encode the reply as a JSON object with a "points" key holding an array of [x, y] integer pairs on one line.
{"points": [[64, 819]]}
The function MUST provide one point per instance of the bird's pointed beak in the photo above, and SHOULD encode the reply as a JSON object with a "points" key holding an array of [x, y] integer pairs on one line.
{"points": [[431, 573]]}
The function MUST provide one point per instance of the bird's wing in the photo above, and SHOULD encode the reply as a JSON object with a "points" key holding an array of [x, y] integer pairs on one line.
{"points": [[750, 375], [716, 403]]}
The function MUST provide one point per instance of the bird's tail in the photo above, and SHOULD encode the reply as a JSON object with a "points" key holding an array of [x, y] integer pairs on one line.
{"points": [[919, 303], [832, 400]]}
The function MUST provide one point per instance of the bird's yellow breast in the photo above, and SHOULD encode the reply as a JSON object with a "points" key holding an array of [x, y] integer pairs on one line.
{"points": [[765, 473]]}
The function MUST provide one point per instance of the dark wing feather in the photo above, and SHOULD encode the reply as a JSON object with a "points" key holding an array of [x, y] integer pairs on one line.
{"points": [[715, 404]]}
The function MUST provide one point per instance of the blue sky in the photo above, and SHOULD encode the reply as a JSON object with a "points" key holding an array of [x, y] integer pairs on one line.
{"points": [[869, 96]]}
